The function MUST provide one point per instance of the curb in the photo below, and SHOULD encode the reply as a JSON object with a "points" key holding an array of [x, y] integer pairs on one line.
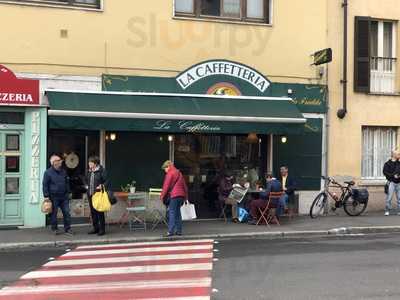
{"points": [[334, 232]]}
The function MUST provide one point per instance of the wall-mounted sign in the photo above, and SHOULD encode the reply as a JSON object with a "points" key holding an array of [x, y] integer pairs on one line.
{"points": [[222, 67], [186, 126], [323, 56], [14, 91]]}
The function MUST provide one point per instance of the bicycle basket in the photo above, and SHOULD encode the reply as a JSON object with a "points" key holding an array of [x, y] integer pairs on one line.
{"points": [[361, 195]]}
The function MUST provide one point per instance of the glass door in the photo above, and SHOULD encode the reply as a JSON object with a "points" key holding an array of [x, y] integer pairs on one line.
{"points": [[11, 185]]}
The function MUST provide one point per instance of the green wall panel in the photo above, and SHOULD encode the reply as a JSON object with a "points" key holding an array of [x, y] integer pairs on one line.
{"points": [[302, 154], [136, 156]]}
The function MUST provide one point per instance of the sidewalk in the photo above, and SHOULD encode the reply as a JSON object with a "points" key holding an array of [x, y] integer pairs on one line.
{"points": [[301, 226]]}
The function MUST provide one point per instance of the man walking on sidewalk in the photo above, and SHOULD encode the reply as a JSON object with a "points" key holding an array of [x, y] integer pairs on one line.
{"points": [[56, 188], [391, 170]]}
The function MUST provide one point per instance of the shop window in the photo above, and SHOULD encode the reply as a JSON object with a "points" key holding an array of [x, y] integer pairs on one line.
{"points": [[12, 185], [375, 56], [377, 145], [67, 3], [12, 142], [237, 10], [11, 117], [12, 164]]}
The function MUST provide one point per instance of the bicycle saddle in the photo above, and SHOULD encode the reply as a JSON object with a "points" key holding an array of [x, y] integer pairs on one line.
{"points": [[350, 182]]}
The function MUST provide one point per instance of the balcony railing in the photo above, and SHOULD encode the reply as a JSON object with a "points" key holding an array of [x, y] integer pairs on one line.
{"points": [[383, 75]]}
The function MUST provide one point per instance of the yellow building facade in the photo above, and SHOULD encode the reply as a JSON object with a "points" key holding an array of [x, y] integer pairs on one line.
{"points": [[76, 45], [361, 140]]}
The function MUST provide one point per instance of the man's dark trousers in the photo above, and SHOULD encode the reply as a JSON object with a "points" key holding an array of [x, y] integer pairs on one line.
{"points": [[61, 202], [174, 215]]}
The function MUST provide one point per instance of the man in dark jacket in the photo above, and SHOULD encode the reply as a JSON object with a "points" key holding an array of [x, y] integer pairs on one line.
{"points": [[56, 188], [288, 186], [391, 170], [272, 185]]}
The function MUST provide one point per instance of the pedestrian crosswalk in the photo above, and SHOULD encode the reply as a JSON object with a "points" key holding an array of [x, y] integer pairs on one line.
{"points": [[151, 270]]}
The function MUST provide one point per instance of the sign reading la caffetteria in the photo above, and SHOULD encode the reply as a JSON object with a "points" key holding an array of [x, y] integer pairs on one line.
{"points": [[222, 67], [14, 91]]}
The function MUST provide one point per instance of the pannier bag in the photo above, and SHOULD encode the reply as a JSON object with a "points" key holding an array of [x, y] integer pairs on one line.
{"points": [[361, 195]]}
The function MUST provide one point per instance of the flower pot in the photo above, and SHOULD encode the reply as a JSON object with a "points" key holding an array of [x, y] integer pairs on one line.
{"points": [[132, 189]]}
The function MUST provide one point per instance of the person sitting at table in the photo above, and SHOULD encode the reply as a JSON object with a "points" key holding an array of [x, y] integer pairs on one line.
{"points": [[288, 186], [272, 185], [224, 189]]}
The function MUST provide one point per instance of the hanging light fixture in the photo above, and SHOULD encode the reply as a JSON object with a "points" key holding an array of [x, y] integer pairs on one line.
{"points": [[252, 138]]}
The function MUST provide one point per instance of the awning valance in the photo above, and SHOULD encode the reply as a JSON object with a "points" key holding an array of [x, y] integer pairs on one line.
{"points": [[171, 112]]}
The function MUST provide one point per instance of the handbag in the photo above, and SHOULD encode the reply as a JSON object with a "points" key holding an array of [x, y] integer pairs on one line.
{"points": [[112, 198], [386, 187], [100, 201], [47, 206], [188, 211], [168, 195]]}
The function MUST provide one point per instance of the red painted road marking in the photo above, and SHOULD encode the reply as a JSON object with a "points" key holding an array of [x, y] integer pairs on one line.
{"points": [[160, 270]]}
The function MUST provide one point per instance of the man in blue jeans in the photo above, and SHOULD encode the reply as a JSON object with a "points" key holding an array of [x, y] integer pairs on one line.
{"points": [[56, 188], [391, 170]]}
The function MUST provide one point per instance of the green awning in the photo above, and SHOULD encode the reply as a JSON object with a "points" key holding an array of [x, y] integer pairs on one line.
{"points": [[156, 112]]}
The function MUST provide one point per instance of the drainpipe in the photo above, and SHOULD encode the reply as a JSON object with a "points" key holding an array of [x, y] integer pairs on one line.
{"points": [[341, 113]]}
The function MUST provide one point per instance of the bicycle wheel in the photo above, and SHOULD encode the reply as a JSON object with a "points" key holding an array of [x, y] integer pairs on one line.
{"points": [[318, 205], [353, 207]]}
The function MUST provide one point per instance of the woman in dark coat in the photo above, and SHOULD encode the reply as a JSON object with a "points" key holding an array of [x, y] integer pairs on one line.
{"points": [[95, 179]]}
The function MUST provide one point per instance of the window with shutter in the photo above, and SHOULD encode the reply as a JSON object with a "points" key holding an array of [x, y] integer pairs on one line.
{"points": [[362, 54], [374, 56], [256, 11]]}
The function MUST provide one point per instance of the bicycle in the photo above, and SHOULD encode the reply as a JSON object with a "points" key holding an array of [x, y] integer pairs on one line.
{"points": [[348, 198]]}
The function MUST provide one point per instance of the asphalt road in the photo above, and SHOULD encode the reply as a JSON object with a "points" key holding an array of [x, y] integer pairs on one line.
{"points": [[346, 268], [361, 268], [14, 264]]}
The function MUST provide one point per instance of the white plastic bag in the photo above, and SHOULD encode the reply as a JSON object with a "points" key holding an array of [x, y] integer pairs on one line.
{"points": [[188, 211]]}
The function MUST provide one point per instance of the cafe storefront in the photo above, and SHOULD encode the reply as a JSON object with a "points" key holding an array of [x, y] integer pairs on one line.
{"points": [[22, 150], [218, 115]]}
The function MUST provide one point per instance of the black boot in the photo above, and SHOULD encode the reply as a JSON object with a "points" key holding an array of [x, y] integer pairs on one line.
{"points": [[93, 231]]}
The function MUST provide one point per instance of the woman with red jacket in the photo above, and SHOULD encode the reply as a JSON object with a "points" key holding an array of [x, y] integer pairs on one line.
{"points": [[174, 193]]}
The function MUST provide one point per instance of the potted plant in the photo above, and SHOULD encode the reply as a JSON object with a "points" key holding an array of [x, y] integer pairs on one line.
{"points": [[130, 187]]}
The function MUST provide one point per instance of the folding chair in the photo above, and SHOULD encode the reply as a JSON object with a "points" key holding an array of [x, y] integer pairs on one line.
{"points": [[137, 211], [268, 214], [157, 209]]}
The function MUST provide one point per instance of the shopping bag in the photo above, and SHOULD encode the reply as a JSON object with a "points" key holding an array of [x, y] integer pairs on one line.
{"points": [[188, 211], [47, 206], [100, 201], [242, 214]]}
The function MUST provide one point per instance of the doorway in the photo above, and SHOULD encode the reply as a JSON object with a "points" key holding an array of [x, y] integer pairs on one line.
{"points": [[12, 179], [203, 159]]}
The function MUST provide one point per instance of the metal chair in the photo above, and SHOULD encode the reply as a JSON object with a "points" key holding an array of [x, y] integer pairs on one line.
{"points": [[157, 209], [137, 211], [268, 214]]}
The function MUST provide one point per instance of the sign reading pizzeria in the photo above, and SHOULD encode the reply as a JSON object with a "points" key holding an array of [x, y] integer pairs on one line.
{"points": [[222, 67], [14, 91]]}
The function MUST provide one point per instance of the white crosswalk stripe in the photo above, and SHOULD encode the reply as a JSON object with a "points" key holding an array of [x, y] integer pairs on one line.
{"points": [[152, 270]]}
